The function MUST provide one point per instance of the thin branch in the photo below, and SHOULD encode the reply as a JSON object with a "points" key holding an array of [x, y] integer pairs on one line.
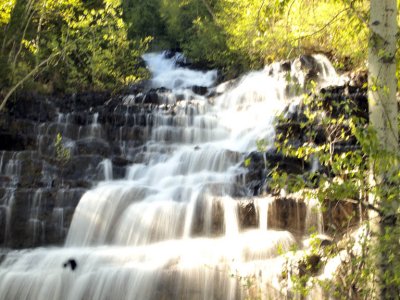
{"points": [[208, 7], [30, 74], [323, 27], [258, 14], [356, 12], [21, 42]]}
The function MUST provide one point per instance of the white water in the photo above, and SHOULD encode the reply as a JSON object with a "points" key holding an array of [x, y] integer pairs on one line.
{"points": [[170, 230]]}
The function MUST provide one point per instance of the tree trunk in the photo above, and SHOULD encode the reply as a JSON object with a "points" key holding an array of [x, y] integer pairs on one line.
{"points": [[383, 110]]}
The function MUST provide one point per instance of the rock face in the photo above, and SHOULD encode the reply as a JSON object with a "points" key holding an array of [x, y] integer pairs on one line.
{"points": [[295, 129], [53, 149], [39, 187]]}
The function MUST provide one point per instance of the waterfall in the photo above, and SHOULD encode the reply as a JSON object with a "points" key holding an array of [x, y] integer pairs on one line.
{"points": [[170, 228]]}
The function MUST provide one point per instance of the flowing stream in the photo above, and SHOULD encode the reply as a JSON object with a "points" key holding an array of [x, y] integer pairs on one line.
{"points": [[170, 229]]}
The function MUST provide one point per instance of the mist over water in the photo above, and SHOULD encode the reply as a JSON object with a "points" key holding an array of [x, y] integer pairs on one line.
{"points": [[170, 229]]}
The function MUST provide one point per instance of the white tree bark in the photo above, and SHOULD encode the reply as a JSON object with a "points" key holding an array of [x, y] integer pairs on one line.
{"points": [[382, 72], [383, 111]]}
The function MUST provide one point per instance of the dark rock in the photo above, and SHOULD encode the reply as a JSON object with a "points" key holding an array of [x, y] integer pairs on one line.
{"points": [[80, 118], [259, 164], [71, 263], [358, 79], [119, 172], [5, 181], [81, 167], [82, 101], [256, 172], [311, 66], [92, 146], [31, 174], [292, 130], [288, 164], [286, 66], [151, 97], [136, 88], [170, 53], [200, 90], [247, 215], [33, 107], [120, 161], [288, 214], [216, 225], [3, 224], [18, 229], [310, 265], [14, 142], [340, 215]]}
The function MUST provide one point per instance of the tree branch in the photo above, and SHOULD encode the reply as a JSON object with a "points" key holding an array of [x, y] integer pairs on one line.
{"points": [[30, 74], [208, 7], [323, 27]]}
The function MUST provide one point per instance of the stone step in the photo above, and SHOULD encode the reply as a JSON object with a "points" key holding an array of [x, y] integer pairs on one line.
{"points": [[39, 216]]}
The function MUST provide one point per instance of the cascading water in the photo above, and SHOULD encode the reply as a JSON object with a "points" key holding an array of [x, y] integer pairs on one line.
{"points": [[170, 229]]}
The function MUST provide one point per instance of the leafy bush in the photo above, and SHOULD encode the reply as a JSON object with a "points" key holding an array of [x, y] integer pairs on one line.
{"points": [[83, 45]]}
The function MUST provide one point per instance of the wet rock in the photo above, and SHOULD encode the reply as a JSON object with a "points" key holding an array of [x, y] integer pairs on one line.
{"points": [[338, 101], [295, 129], [5, 181], [31, 173], [151, 97], [310, 265], [247, 214], [311, 66], [208, 222], [288, 164], [82, 101], [80, 118], [18, 230], [33, 124], [256, 172], [81, 167], [92, 146], [119, 172], [200, 90], [259, 164], [73, 183], [71, 263], [120, 161], [292, 130], [155, 96], [339, 216], [32, 107], [223, 189], [286, 66], [287, 214], [136, 88], [358, 78], [170, 53], [15, 142]]}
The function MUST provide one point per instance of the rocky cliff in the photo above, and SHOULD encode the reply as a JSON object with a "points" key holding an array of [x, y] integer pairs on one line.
{"points": [[103, 135]]}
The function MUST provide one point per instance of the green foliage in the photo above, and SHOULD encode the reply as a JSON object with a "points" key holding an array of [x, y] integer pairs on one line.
{"points": [[143, 18], [247, 162], [250, 33], [6, 7], [345, 177], [236, 36], [63, 154], [87, 39], [207, 43]]}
